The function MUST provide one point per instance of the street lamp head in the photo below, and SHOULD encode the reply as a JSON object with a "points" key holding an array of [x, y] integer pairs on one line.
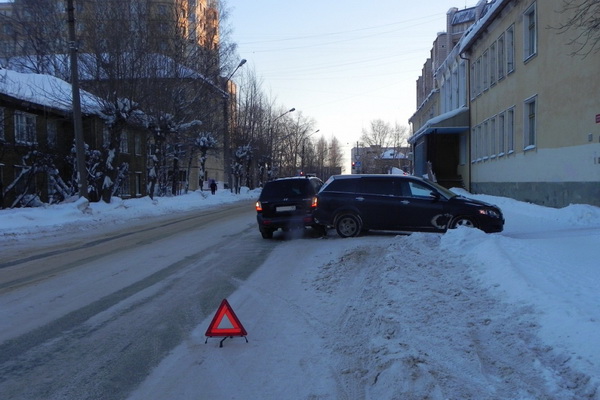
{"points": [[242, 62], [292, 110]]}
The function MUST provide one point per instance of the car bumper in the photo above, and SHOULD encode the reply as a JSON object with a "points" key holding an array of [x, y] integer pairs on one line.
{"points": [[285, 222]]}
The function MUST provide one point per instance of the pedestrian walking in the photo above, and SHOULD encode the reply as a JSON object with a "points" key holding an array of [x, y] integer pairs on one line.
{"points": [[213, 186]]}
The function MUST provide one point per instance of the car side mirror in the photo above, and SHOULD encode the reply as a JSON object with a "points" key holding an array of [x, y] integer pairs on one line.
{"points": [[435, 195]]}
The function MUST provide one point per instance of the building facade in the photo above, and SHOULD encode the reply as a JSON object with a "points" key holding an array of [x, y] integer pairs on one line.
{"points": [[121, 48], [534, 106], [441, 123], [37, 137], [514, 109]]}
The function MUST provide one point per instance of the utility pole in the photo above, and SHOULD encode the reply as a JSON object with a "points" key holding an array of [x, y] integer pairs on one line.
{"points": [[77, 124]]}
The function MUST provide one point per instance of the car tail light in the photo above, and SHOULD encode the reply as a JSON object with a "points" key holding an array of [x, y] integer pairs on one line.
{"points": [[314, 202], [258, 206]]}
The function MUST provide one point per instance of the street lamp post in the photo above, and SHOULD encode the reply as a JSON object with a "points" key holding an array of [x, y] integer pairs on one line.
{"points": [[77, 123], [270, 130], [226, 133], [303, 145]]}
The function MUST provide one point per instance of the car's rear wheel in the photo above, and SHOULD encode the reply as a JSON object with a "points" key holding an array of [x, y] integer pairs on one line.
{"points": [[266, 233], [321, 230], [348, 225], [462, 221]]}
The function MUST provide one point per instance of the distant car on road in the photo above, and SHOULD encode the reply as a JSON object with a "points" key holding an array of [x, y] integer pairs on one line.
{"points": [[287, 203], [356, 203]]}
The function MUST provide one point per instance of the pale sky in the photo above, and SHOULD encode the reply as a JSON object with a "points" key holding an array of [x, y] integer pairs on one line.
{"points": [[343, 64]]}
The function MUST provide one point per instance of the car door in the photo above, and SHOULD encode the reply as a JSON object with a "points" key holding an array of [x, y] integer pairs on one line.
{"points": [[377, 202], [418, 209]]}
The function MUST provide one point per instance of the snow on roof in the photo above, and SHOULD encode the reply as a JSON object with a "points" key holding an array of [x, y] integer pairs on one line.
{"points": [[391, 154], [473, 32], [45, 90]]}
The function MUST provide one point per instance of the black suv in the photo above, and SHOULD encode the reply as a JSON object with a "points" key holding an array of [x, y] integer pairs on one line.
{"points": [[287, 203], [355, 203]]}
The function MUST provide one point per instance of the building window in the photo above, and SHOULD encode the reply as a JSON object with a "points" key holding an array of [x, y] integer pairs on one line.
{"points": [[493, 137], [123, 142], [105, 137], [501, 134], [138, 184], [138, 145], [530, 33], [472, 76], [501, 57], [493, 65], [124, 189], [25, 128], [51, 133], [510, 49], [486, 140], [529, 125], [510, 131], [478, 77], [474, 144], [485, 70]]}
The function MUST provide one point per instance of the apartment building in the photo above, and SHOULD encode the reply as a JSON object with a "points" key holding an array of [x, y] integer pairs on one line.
{"points": [[534, 106], [440, 125], [514, 109], [158, 42], [36, 142]]}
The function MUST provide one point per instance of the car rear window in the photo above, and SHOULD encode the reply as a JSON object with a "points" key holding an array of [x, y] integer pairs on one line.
{"points": [[287, 188]]}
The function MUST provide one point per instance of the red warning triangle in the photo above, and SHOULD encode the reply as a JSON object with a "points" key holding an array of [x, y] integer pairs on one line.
{"points": [[219, 327]]}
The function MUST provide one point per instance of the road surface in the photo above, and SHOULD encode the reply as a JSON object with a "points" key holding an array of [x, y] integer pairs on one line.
{"points": [[87, 315]]}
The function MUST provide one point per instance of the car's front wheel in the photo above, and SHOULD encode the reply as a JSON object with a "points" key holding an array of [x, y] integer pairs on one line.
{"points": [[462, 221], [348, 225]]}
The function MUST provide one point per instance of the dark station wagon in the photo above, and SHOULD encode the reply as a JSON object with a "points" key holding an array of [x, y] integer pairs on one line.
{"points": [[287, 203], [357, 203]]}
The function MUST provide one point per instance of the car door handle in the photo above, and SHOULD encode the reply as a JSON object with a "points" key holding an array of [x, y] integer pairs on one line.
{"points": [[405, 202], [359, 199]]}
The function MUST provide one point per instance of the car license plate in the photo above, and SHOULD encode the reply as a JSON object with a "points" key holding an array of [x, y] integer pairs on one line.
{"points": [[285, 208]]}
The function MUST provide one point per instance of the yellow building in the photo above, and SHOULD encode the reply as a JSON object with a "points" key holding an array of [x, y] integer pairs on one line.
{"points": [[514, 109], [534, 106]]}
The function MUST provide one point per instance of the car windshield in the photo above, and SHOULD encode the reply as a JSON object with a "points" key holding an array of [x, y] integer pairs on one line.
{"points": [[286, 188], [445, 192]]}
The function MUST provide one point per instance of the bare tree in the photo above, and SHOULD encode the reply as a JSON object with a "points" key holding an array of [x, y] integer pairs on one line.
{"points": [[582, 18], [379, 134], [35, 33], [321, 155], [335, 153]]}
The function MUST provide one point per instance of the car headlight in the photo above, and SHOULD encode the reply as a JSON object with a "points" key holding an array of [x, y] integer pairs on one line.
{"points": [[489, 212]]}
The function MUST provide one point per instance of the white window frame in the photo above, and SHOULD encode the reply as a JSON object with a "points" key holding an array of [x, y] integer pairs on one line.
{"points": [[124, 142], [485, 67], [105, 136], [510, 130], [137, 144], [52, 132], [501, 57], [493, 64], [530, 123], [510, 49], [485, 140], [501, 133], [530, 32], [25, 124], [493, 138]]}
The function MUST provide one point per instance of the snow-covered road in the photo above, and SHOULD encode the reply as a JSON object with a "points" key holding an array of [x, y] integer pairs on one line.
{"points": [[461, 315]]}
